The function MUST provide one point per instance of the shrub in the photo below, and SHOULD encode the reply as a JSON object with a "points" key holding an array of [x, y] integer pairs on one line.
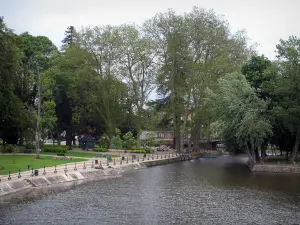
{"points": [[29, 146], [98, 149], [138, 151], [8, 149], [56, 148], [129, 141], [103, 141], [146, 150], [117, 142]]}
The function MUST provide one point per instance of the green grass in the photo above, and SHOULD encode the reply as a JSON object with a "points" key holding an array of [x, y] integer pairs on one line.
{"points": [[81, 154], [15, 162]]}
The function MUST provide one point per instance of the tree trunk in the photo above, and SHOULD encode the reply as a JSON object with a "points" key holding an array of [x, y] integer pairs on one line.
{"points": [[195, 135], [296, 146], [37, 131], [177, 133], [69, 136], [73, 140], [186, 115], [58, 136], [109, 143], [251, 155], [263, 154], [257, 158]]}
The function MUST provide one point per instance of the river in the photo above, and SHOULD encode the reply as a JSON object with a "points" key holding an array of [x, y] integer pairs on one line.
{"points": [[205, 191]]}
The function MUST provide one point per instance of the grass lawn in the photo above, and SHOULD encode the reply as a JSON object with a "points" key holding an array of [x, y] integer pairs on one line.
{"points": [[81, 154], [16, 162]]}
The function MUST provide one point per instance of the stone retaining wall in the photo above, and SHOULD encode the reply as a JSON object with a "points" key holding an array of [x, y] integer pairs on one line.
{"points": [[7, 188], [277, 168]]}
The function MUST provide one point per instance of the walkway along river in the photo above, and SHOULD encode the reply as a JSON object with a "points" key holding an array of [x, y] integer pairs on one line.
{"points": [[204, 191]]}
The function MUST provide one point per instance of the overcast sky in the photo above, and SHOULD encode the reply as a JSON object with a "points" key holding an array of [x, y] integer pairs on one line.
{"points": [[266, 21]]}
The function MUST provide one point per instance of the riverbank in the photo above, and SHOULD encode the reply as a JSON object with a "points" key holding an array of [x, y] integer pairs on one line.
{"points": [[271, 168], [96, 172]]}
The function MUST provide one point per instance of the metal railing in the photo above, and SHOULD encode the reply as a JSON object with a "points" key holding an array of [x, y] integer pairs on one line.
{"points": [[83, 166]]}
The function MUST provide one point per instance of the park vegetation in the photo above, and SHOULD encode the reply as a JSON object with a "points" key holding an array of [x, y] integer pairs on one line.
{"points": [[100, 82]]}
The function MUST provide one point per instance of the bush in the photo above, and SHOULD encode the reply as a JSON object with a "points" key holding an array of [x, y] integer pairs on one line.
{"points": [[56, 148], [8, 149], [129, 141], [146, 150], [138, 151], [117, 142], [103, 141], [30, 146], [98, 149]]}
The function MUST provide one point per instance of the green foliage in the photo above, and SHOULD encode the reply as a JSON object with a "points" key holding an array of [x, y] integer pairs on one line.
{"points": [[138, 151], [29, 145], [56, 148], [117, 142], [104, 141], [98, 149], [8, 149], [129, 141], [239, 110]]}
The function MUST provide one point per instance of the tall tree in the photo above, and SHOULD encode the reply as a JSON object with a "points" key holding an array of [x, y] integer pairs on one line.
{"points": [[237, 108], [10, 104], [69, 36], [137, 67], [288, 109]]}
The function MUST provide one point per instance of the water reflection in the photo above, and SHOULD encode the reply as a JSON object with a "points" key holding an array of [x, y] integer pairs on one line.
{"points": [[206, 191]]}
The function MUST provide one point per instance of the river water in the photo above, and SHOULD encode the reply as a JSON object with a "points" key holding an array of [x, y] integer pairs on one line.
{"points": [[205, 191]]}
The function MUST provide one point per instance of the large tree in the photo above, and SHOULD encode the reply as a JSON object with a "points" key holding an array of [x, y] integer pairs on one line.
{"points": [[238, 109], [288, 109], [10, 105]]}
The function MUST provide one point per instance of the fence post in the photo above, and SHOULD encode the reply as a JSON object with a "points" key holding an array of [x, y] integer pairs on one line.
{"points": [[19, 176]]}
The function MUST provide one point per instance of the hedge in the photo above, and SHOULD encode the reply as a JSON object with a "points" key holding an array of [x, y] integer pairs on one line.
{"points": [[138, 151], [56, 148], [8, 149], [98, 149]]}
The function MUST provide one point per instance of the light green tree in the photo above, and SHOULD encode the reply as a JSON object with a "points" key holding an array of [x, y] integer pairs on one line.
{"points": [[236, 107]]}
